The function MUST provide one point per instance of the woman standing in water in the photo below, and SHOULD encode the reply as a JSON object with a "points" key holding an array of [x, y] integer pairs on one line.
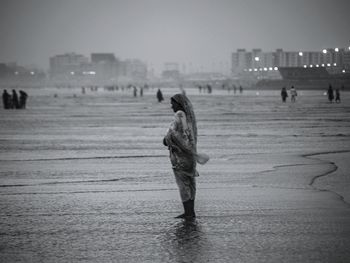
{"points": [[181, 140]]}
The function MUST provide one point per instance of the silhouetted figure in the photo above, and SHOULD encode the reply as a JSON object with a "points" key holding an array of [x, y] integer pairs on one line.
{"points": [[15, 103], [240, 89], [337, 96], [209, 88], [141, 92], [135, 91], [330, 93], [160, 95], [22, 99], [200, 88], [83, 90], [6, 100], [293, 94], [284, 94]]}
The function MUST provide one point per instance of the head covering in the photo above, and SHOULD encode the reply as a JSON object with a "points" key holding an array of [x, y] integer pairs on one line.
{"points": [[187, 107]]}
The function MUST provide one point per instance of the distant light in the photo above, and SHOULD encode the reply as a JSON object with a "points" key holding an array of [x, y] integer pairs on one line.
{"points": [[16, 72], [32, 73], [324, 51], [265, 69], [317, 66], [275, 68], [328, 64], [72, 73], [257, 59], [343, 71], [322, 65], [250, 70], [260, 69], [270, 68], [255, 69], [301, 54], [311, 66], [336, 49], [334, 64], [349, 48], [305, 66], [257, 93], [244, 69]]}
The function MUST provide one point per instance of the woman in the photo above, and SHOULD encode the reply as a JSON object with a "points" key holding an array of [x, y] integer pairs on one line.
{"points": [[181, 141]]}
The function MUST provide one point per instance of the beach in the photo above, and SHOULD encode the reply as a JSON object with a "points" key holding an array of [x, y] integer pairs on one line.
{"points": [[86, 178]]}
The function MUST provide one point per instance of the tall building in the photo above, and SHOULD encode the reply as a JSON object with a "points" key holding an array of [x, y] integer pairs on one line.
{"points": [[66, 64], [106, 66], [257, 60]]}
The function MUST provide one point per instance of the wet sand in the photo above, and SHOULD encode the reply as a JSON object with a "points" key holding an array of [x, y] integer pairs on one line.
{"points": [[86, 178]]}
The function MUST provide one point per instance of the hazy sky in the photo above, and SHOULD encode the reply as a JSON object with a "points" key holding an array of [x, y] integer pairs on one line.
{"points": [[199, 31]]}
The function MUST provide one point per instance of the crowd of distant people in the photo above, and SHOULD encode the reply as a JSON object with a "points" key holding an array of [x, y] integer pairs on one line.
{"points": [[331, 94], [13, 101]]}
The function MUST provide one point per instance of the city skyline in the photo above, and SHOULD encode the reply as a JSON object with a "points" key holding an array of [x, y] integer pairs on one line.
{"points": [[202, 33]]}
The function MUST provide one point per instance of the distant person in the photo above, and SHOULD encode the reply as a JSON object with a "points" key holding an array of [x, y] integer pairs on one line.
{"points": [[22, 99], [293, 94], [240, 89], [15, 102], [135, 91], [330, 93], [160, 95], [210, 89], [284, 94], [141, 92], [337, 96], [6, 100]]}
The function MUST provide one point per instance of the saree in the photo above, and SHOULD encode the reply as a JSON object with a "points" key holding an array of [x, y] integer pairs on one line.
{"points": [[181, 140]]}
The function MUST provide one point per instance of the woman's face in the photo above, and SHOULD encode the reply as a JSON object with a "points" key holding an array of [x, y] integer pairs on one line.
{"points": [[175, 106]]}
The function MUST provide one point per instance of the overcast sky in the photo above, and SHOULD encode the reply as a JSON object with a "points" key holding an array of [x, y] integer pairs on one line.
{"points": [[199, 31]]}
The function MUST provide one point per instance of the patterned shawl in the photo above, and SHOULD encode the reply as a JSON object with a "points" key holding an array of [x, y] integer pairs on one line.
{"points": [[187, 107]]}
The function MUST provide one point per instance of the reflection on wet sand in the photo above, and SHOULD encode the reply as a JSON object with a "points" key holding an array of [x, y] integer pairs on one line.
{"points": [[186, 241]]}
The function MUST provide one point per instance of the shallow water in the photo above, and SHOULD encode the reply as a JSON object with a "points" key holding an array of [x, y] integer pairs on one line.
{"points": [[87, 178]]}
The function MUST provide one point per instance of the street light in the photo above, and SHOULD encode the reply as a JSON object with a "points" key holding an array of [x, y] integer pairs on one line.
{"points": [[300, 54], [275, 68], [336, 49], [324, 51], [257, 59]]}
